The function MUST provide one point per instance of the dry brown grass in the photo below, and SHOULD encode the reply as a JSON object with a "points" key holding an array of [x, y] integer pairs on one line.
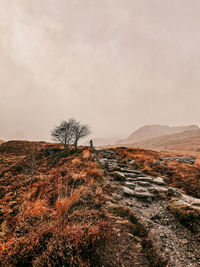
{"points": [[64, 204], [85, 154], [188, 216], [54, 218], [37, 208]]}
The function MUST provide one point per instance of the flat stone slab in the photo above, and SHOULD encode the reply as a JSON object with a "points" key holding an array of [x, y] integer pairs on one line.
{"points": [[144, 179], [196, 202], [159, 181], [145, 184], [131, 171], [131, 179], [159, 192], [130, 184], [191, 200], [127, 174], [158, 189], [127, 191], [140, 189], [144, 196]]}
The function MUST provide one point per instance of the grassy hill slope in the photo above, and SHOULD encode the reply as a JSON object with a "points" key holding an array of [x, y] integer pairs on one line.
{"points": [[186, 141]]}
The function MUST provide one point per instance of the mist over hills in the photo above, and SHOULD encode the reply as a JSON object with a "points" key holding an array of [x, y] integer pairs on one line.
{"points": [[158, 137], [151, 131], [155, 137], [103, 141]]}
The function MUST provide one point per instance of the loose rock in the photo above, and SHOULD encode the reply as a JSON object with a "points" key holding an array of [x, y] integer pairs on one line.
{"points": [[118, 176]]}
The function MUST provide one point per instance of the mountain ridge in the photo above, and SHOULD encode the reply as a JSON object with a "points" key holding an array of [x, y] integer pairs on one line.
{"points": [[153, 131], [184, 141]]}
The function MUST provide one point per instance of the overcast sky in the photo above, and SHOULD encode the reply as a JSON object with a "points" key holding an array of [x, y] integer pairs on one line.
{"points": [[114, 64]]}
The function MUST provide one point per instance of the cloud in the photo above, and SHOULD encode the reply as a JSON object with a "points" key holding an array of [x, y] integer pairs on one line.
{"points": [[113, 64]]}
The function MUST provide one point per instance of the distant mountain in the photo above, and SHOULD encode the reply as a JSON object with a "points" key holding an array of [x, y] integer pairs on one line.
{"points": [[188, 141], [152, 131]]}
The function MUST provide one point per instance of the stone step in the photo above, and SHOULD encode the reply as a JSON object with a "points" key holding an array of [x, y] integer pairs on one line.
{"points": [[130, 184], [127, 191], [144, 179], [127, 174], [131, 171], [145, 184], [145, 196], [159, 181]]}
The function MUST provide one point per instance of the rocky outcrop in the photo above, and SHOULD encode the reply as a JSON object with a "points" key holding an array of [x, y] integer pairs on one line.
{"points": [[155, 205], [189, 160]]}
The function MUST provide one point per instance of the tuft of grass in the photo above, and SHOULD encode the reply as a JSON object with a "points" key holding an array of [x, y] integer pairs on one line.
{"points": [[85, 155], [64, 204], [188, 216], [37, 208]]}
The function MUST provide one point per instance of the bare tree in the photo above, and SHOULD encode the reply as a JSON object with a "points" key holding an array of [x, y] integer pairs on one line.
{"points": [[79, 131], [63, 133], [70, 132]]}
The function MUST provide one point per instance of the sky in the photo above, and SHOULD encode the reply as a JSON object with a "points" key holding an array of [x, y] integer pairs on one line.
{"points": [[115, 65]]}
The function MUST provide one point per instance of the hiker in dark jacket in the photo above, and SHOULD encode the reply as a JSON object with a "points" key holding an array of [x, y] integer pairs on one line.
{"points": [[91, 143]]}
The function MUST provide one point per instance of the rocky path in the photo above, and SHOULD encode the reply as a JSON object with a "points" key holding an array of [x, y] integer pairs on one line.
{"points": [[148, 198]]}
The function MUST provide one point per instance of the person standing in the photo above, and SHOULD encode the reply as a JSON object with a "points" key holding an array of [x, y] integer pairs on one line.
{"points": [[91, 143]]}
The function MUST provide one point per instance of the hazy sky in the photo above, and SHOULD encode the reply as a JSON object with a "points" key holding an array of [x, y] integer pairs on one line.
{"points": [[114, 64]]}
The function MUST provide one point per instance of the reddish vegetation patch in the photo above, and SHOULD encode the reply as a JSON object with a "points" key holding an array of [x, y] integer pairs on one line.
{"points": [[180, 175], [50, 208]]}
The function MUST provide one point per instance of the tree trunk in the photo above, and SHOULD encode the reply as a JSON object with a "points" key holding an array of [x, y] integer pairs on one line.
{"points": [[75, 144]]}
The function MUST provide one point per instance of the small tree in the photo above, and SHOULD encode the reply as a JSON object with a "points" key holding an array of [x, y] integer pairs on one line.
{"points": [[79, 131], [63, 133], [70, 132]]}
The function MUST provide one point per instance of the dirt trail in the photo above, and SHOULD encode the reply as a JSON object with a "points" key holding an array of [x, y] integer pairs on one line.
{"points": [[148, 198]]}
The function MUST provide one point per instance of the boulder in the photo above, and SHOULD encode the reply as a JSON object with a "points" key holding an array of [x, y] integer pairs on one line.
{"points": [[173, 192], [118, 176]]}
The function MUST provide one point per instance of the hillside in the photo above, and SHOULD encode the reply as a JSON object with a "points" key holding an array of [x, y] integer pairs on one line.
{"points": [[96, 207], [188, 141], [151, 131]]}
